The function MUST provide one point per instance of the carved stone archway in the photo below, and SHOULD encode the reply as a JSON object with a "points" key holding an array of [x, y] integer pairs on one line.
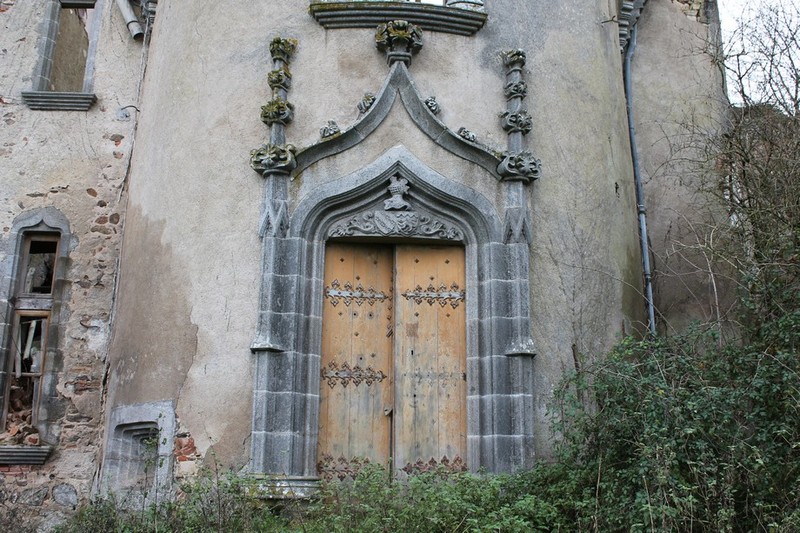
{"points": [[287, 344]]}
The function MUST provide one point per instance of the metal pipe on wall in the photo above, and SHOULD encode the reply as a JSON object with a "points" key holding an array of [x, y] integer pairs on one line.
{"points": [[131, 20]]}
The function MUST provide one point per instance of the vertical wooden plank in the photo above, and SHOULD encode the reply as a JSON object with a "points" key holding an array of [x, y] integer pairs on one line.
{"points": [[356, 381], [430, 355]]}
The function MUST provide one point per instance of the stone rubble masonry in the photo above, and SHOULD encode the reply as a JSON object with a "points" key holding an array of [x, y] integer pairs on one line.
{"points": [[75, 162]]}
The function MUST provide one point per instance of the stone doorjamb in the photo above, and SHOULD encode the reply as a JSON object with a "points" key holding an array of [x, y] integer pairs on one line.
{"points": [[287, 345]]}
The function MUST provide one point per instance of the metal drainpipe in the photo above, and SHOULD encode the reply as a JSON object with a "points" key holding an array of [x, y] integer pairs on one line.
{"points": [[637, 178], [130, 19]]}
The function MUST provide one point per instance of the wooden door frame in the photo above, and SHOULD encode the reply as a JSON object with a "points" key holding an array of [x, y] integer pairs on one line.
{"points": [[500, 405]]}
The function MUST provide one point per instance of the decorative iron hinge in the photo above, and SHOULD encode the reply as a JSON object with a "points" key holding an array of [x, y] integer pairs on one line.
{"points": [[348, 294], [433, 295], [346, 375], [341, 468], [432, 465]]}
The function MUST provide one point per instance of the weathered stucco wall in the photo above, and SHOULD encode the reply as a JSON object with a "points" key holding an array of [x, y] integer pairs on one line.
{"points": [[75, 162], [194, 201], [679, 106]]}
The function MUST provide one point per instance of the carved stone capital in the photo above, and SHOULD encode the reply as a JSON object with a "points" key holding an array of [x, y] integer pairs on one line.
{"points": [[399, 39], [520, 166], [282, 49], [277, 111], [519, 121], [280, 79], [516, 89], [271, 158], [514, 59]]}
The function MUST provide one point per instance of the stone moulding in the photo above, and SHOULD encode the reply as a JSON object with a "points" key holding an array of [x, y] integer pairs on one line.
{"points": [[399, 82], [58, 101], [24, 455], [456, 19], [288, 343]]}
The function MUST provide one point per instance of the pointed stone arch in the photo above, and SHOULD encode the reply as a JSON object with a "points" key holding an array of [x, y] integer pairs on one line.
{"points": [[289, 336], [399, 83]]}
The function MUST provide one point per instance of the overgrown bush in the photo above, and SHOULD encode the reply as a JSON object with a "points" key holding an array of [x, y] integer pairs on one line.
{"points": [[686, 436], [431, 502], [211, 502]]}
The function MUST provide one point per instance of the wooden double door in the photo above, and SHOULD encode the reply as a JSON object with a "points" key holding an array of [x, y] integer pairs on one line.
{"points": [[393, 370]]}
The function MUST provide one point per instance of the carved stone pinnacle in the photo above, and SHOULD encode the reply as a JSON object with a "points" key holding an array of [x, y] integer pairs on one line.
{"points": [[399, 39]]}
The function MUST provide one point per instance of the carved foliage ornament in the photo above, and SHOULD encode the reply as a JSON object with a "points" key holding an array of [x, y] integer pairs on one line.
{"points": [[280, 79], [514, 59], [520, 121], [433, 105], [467, 135], [282, 49], [516, 89], [366, 102], [273, 158], [395, 223], [520, 166], [277, 111], [331, 129], [399, 39]]}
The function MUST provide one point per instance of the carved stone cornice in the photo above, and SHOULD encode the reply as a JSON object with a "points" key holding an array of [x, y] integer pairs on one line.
{"points": [[399, 39], [271, 158], [519, 121], [461, 17], [520, 166]]}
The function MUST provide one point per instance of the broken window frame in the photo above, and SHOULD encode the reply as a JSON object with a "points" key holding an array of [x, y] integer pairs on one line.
{"points": [[20, 346], [43, 95], [29, 303]]}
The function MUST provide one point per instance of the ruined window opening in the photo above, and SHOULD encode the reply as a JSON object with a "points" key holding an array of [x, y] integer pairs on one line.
{"points": [[28, 353], [70, 51], [39, 264], [32, 305], [137, 448], [64, 74]]}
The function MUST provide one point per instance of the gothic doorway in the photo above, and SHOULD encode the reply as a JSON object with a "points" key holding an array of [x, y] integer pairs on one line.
{"points": [[393, 369]]}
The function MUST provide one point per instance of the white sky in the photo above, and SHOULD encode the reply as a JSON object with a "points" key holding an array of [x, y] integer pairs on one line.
{"points": [[731, 10]]}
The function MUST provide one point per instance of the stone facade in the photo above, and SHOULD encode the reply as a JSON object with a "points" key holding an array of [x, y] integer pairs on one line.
{"points": [[233, 148]]}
